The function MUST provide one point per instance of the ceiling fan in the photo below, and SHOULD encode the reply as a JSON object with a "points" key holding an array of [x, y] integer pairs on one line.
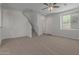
{"points": [[50, 6]]}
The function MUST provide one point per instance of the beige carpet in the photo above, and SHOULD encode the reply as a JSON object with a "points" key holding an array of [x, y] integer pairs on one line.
{"points": [[42, 45]]}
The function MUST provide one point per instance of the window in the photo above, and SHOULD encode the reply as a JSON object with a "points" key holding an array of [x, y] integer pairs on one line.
{"points": [[66, 21], [70, 21]]}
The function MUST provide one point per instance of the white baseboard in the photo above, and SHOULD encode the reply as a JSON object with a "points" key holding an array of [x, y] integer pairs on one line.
{"points": [[61, 36]]}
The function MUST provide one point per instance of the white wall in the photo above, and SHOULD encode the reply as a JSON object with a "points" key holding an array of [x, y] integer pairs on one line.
{"points": [[0, 15], [53, 27], [41, 24], [32, 17], [36, 19], [0, 23], [15, 24]]}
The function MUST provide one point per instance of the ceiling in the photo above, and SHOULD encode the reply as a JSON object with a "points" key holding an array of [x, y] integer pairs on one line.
{"points": [[39, 6]]}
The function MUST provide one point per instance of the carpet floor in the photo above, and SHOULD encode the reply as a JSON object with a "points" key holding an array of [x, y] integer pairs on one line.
{"points": [[40, 45]]}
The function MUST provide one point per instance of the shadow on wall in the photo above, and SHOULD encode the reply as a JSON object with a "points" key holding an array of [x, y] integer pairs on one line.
{"points": [[36, 20]]}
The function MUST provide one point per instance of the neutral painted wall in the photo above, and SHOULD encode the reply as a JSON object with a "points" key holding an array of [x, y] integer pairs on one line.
{"points": [[36, 20], [0, 15], [41, 24], [53, 27], [15, 24], [0, 23], [32, 17]]}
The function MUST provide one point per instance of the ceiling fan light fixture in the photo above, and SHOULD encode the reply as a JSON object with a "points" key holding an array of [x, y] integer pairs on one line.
{"points": [[50, 9], [50, 6]]}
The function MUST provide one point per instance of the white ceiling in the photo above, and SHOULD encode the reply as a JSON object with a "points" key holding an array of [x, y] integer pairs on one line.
{"points": [[39, 6]]}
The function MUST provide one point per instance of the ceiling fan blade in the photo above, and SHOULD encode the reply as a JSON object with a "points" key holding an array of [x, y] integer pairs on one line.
{"points": [[56, 6], [44, 8], [45, 4], [54, 3]]}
